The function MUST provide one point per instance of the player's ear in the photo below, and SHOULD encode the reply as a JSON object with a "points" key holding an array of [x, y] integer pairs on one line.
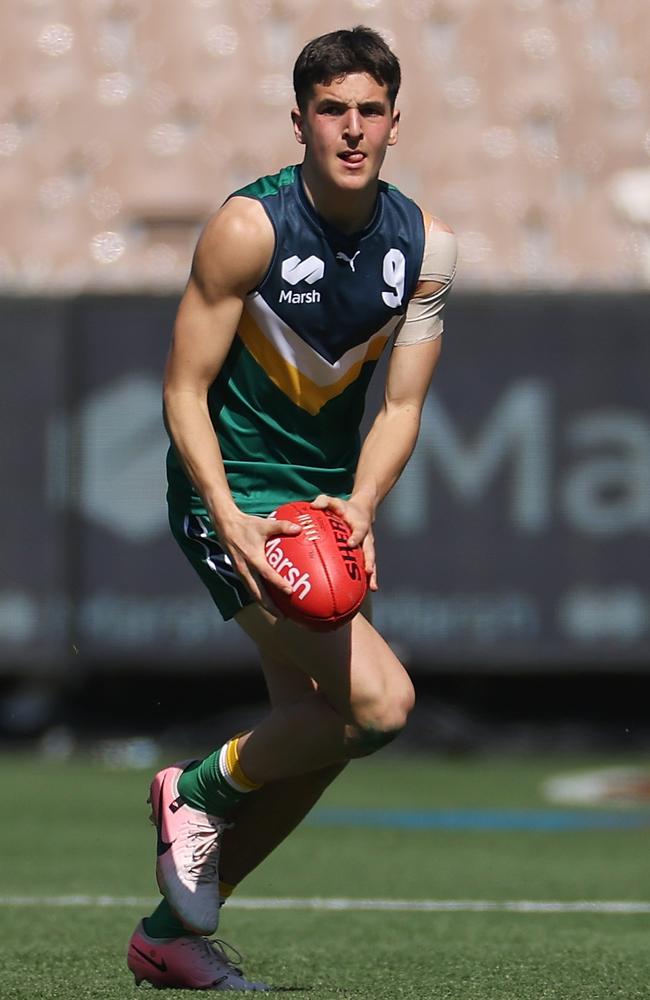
{"points": [[394, 129], [296, 118]]}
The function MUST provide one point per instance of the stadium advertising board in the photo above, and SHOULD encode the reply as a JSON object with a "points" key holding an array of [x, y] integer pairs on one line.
{"points": [[517, 537]]}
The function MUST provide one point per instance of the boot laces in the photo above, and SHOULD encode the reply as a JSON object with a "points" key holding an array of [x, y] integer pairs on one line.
{"points": [[227, 953], [218, 952], [206, 845]]}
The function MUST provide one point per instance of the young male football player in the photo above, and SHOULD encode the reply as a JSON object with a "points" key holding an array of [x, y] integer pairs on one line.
{"points": [[298, 284]]}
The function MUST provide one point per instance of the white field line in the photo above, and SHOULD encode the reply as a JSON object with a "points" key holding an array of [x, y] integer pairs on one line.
{"points": [[400, 905]]}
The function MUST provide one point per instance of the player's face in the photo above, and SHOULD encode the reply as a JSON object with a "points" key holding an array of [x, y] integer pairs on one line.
{"points": [[347, 126]]}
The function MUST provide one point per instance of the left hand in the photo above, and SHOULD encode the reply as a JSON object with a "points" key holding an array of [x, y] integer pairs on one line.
{"points": [[358, 514]]}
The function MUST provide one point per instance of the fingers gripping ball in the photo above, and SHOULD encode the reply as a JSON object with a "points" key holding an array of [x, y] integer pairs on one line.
{"points": [[328, 578]]}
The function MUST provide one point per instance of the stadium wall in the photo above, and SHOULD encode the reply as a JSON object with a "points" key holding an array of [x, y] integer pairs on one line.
{"points": [[516, 540]]}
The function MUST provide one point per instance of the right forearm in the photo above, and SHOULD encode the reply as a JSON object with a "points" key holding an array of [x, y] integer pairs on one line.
{"points": [[188, 422], [187, 419]]}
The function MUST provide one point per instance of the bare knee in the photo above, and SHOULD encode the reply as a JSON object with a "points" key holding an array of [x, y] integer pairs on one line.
{"points": [[380, 720]]}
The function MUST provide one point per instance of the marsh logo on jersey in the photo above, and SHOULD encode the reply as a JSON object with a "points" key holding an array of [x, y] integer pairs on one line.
{"points": [[294, 270]]}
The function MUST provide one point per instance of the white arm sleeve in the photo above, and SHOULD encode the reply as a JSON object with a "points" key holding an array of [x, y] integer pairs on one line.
{"points": [[423, 320]]}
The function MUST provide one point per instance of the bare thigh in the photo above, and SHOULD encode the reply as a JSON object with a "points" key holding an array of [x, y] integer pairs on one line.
{"points": [[285, 682], [354, 667]]}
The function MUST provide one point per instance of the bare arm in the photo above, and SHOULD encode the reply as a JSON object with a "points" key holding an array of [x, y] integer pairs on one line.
{"points": [[231, 257], [388, 445], [393, 435]]}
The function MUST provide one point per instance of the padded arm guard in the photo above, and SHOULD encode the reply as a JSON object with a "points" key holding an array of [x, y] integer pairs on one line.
{"points": [[423, 320]]}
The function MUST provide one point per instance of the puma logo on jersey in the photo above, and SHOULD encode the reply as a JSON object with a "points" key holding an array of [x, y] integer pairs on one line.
{"points": [[343, 256], [310, 270]]}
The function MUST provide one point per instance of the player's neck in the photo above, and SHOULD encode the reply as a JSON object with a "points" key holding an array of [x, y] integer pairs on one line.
{"points": [[347, 211]]}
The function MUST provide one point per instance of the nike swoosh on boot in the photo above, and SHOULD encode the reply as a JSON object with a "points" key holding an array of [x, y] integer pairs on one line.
{"points": [[161, 966]]}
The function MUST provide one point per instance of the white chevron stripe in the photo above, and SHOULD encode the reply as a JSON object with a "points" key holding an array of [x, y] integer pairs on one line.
{"points": [[299, 354]]}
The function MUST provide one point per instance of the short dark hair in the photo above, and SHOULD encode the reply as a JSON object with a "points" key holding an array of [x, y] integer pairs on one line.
{"points": [[355, 50]]}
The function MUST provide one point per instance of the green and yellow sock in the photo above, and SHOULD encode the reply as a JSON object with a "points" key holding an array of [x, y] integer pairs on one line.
{"points": [[163, 923], [217, 783], [225, 891]]}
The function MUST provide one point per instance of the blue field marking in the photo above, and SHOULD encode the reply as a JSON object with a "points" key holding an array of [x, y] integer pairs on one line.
{"points": [[483, 819]]}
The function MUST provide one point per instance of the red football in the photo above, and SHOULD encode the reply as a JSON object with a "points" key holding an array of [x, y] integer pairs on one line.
{"points": [[328, 578]]}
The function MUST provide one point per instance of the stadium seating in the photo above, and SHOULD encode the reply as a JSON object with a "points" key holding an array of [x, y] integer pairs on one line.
{"points": [[123, 123]]}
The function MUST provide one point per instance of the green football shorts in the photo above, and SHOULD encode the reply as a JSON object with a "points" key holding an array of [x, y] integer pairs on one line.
{"points": [[195, 535]]}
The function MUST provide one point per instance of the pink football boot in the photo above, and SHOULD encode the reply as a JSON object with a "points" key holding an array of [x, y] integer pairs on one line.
{"points": [[189, 842], [190, 963]]}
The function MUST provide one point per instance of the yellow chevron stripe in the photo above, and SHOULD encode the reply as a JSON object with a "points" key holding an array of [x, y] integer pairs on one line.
{"points": [[300, 389]]}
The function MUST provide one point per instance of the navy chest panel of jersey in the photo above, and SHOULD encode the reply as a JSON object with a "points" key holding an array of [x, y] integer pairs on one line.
{"points": [[332, 290]]}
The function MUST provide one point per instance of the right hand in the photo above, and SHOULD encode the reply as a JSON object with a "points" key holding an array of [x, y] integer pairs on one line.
{"points": [[244, 538]]}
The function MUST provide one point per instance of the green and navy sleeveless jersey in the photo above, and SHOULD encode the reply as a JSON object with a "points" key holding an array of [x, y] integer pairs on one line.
{"points": [[289, 399]]}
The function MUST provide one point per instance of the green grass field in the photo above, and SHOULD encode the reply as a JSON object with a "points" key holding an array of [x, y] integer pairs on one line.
{"points": [[77, 829]]}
